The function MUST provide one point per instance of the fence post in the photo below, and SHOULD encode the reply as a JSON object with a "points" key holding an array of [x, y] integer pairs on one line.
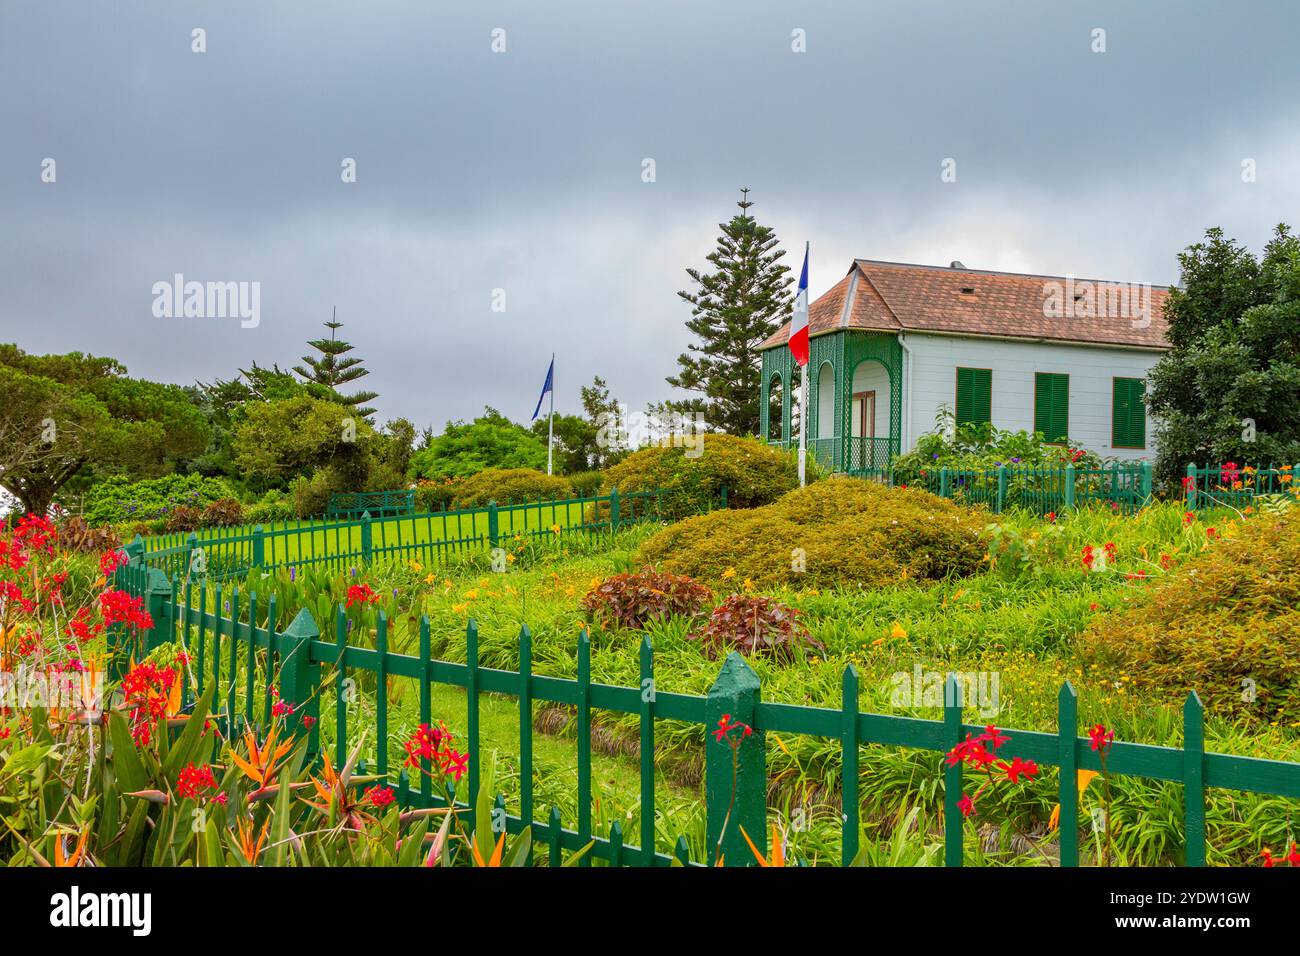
{"points": [[1194, 779], [945, 483], [1002, 488], [366, 540], [1146, 484], [723, 503], [299, 677], [735, 780], [259, 547], [1069, 486], [613, 509], [492, 533], [1190, 487], [157, 594], [953, 819]]}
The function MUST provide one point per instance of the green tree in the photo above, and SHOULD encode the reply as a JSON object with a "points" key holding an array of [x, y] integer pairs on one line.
{"points": [[733, 309], [393, 459], [288, 438], [223, 403], [489, 441], [575, 442], [1226, 391], [64, 416], [323, 376], [600, 407]]}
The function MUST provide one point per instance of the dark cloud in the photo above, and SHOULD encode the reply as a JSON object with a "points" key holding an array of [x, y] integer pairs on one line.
{"points": [[521, 170]]}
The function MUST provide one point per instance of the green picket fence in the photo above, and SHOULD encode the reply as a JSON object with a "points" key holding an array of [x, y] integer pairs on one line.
{"points": [[241, 650], [428, 538], [1239, 487], [1125, 488]]}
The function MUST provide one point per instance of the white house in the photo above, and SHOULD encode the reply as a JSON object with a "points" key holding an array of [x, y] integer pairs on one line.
{"points": [[891, 343]]}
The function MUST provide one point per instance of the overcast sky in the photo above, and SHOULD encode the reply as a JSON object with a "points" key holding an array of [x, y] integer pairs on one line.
{"points": [[522, 170]]}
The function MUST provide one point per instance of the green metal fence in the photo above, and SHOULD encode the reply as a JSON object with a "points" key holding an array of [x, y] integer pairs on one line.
{"points": [[250, 656], [428, 538]]}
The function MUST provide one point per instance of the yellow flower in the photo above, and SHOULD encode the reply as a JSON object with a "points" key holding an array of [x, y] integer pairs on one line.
{"points": [[729, 573], [748, 584], [431, 578], [417, 567], [510, 559], [459, 608], [471, 594], [898, 632]]}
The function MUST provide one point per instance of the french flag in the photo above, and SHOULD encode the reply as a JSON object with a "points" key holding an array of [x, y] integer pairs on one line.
{"points": [[798, 341]]}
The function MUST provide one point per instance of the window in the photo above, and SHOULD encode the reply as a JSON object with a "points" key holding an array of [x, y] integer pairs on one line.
{"points": [[974, 395], [1128, 414], [1052, 405]]}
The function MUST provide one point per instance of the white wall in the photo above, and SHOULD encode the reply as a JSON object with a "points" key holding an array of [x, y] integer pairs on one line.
{"points": [[935, 359]]}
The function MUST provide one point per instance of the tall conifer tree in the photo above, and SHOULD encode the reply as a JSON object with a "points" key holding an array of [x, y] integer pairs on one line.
{"points": [[324, 375], [733, 309]]}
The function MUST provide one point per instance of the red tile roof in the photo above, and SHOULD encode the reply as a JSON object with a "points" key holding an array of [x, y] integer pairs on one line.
{"points": [[894, 296]]}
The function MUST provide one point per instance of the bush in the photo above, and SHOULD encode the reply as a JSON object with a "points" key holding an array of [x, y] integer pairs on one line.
{"points": [[755, 625], [120, 500], [225, 513], [504, 485], [311, 496], [1220, 624], [836, 532], [634, 600], [753, 473], [586, 484], [74, 534], [981, 447], [273, 506], [183, 518], [435, 494]]}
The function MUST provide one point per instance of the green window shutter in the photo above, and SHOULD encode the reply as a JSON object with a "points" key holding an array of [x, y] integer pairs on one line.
{"points": [[1052, 405], [1128, 414], [974, 395]]}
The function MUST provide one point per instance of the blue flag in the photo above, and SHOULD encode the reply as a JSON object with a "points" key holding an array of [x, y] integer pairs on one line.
{"points": [[550, 376]]}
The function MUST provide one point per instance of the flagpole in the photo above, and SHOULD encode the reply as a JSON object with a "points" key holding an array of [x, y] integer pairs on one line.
{"points": [[803, 427], [550, 420]]}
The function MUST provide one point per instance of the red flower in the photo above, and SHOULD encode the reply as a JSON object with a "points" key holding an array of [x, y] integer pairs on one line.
{"points": [[992, 736], [281, 708], [1019, 768], [1101, 737], [380, 796], [1089, 556], [726, 726], [1189, 483], [966, 805], [308, 722], [362, 594], [1111, 550], [192, 781], [1188, 517]]}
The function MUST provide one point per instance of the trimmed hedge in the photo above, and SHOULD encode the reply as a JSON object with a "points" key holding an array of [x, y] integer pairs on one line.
{"points": [[505, 485], [1224, 624], [119, 499], [753, 473], [842, 531]]}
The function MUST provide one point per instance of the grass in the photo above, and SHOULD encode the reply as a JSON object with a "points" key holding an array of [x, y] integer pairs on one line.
{"points": [[1017, 619]]}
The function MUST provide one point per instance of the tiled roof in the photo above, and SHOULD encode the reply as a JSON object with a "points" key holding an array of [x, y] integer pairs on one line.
{"points": [[893, 296]]}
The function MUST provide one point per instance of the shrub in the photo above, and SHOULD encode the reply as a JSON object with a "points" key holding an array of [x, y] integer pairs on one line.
{"points": [[183, 518], [504, 485], [978, 447], [311, 496], [755, 625], [74, 534], [634, 600], [435, 494], [273, 506], [839, 531], [1220, 624], [224, 513], [118, 499], [753, 473], [586, 484]]}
